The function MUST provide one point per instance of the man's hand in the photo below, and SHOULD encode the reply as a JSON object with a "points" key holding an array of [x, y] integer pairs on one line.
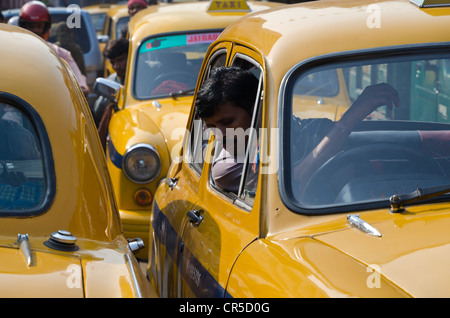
{"points": [[370, 99], [85, 91]]}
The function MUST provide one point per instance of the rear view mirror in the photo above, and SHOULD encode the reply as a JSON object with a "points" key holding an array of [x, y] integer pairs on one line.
{"points": [[108, 89], [102, 38]]}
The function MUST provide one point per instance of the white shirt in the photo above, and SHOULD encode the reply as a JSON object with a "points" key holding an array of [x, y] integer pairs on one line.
{"points": [[67, 56]]}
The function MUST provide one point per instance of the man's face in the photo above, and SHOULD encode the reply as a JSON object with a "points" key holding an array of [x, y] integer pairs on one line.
{"points": [[135, 8], [228, 118], [119, 64], [35, 27]]}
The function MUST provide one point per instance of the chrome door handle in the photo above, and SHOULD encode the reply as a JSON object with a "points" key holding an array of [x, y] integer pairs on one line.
{"points": [[194, 217], [171, 182]]}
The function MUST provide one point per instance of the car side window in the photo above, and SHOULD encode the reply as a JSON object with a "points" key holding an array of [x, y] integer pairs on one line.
{"points": [[244, 197], [249, 180], [22, 186], [199, 134]]}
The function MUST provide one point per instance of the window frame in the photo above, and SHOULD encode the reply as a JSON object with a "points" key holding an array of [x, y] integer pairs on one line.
{"points": [[239, 199], [44, 145], [340, 58], [192, 149]]}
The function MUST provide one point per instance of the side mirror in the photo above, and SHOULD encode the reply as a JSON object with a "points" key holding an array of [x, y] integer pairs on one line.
{"points": [[102, 38], [135, 244], [108, 89]]}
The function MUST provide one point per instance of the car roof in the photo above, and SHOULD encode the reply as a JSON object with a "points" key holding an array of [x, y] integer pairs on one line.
{"points": [[173, 17], [53, 10], [325, 27], [117, 11], [100, 8]]}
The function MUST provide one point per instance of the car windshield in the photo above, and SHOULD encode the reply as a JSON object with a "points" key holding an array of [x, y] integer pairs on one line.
{"points": [[122, 27], [169, 64], [98, 19], [22, 186], [393, 150]]}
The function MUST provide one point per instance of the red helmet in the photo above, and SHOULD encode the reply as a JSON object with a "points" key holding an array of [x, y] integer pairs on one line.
{"points": [[35, 11]]}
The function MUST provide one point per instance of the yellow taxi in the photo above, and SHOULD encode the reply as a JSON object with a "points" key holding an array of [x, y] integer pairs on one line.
{"points": [[61, 233], [115, 26], [98, 15], [167, 45], [349, 200]]}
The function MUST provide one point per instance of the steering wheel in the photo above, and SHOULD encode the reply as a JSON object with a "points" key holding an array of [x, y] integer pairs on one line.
{"points": [[324, 184], [178, 76]]}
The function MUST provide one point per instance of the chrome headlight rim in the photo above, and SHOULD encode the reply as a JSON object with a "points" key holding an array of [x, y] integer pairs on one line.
{"points": [[127, 155]]}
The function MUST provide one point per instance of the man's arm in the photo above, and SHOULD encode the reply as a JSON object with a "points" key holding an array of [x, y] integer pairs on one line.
{"points": [[370, 99]]}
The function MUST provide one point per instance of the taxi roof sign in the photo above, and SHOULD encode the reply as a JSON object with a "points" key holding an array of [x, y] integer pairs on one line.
{"points": [[431, 3], [228, 5]]}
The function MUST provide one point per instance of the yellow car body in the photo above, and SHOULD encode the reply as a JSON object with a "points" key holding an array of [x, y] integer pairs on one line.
{"points": [[98, 15], [61, 234], [361, 228], [157, 121]]}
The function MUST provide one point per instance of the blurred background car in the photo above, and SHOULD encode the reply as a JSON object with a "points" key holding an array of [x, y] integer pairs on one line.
{"points": [[83, 33], [115, 26], [98, 15]]}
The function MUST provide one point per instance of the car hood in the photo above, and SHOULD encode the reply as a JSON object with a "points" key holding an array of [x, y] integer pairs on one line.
{"points": [[163, 119], [412, 253], [170, 118], [49, 275]]}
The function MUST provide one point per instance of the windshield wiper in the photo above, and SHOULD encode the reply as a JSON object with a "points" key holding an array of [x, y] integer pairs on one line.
{"points": [[174, 95], [398, 200]]}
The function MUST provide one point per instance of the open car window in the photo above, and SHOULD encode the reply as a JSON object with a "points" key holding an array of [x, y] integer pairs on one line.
{"points": [[199, 134], [394, 150], [247, 157]]}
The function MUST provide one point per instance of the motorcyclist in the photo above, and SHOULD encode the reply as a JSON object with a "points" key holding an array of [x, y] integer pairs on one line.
{"points": [[35, 17]]}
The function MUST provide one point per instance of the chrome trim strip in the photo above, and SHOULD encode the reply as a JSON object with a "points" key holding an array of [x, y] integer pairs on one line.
{"points": [[133, 276]]}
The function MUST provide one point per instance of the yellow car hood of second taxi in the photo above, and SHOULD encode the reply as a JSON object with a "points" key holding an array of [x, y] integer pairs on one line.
{"points": [[143, 123]]}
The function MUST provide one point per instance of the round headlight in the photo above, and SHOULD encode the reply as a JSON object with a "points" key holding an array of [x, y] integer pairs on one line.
{"points": [[141, 163]]}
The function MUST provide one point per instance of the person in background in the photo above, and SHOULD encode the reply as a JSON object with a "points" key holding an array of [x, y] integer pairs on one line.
{"points": [[2, 18], [35, 17], [117, 53], [134, 6], [64, 39]]}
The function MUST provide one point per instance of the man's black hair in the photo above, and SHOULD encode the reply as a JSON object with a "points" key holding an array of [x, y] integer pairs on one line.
{"points": [[226, 84], [116, 48]]}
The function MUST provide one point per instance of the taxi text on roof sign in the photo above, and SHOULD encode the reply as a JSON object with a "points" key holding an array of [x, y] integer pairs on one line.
{"points": [[431, 3], [228, 5]]}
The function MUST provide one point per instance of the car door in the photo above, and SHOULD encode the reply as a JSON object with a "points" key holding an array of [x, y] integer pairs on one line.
{"points": [[220, 224], [180, 192]]}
